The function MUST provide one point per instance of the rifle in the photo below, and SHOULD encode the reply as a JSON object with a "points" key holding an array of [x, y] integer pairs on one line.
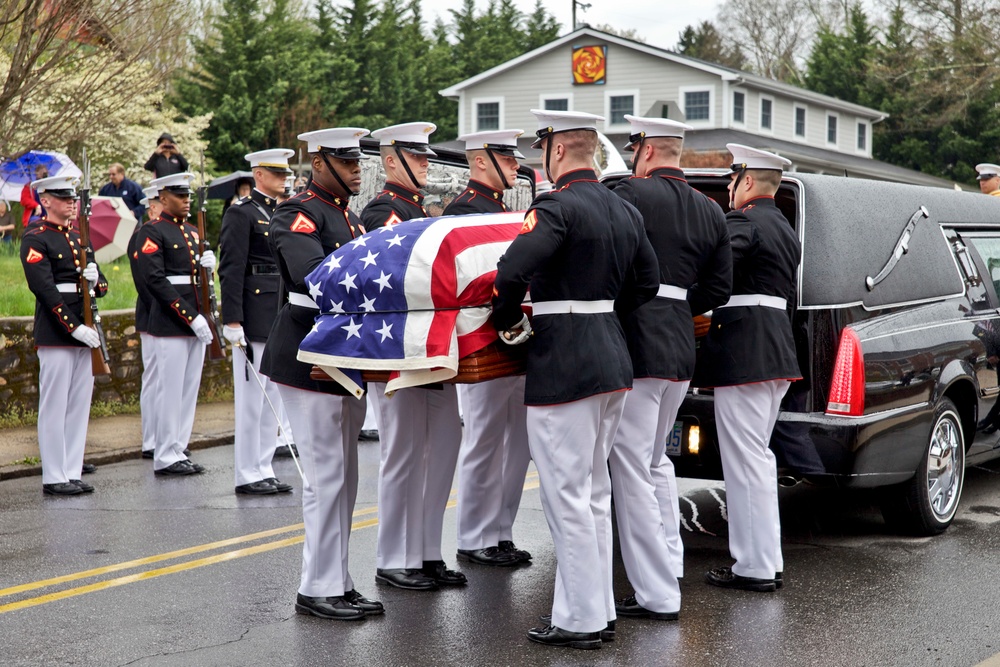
{"points": [[99, 356], [208, 303]]}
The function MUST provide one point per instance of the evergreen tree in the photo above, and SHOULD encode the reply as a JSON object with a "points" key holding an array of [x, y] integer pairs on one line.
{"points": [[540, 28], [839, 63], [706, 43]]}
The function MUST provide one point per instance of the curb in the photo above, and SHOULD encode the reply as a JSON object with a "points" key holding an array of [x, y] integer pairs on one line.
{"points": [[14, 472]]}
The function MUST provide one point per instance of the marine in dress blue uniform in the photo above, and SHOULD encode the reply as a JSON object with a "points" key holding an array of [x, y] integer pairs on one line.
{"points": [[688, 232], [51, 260], [584, 253], [494, 456], [249, 285], [147, 392], [304, 230], [750, 379], [419, 428]]}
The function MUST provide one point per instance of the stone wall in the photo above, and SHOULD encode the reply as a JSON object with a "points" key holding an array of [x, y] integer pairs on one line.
{"points": [[19, 365]]}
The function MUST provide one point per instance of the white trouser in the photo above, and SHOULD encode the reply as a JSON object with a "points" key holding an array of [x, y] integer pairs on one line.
{"points": [[744, 418], [492, 462], [179, 360], [370, 422], [65, 386], [256, 435], [285, 436], [570, 443], [326, 430], [646, 493], [147, 392], [419, 437]]}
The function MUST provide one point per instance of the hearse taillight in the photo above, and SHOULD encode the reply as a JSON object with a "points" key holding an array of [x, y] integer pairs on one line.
{"points": [[847, 389]]}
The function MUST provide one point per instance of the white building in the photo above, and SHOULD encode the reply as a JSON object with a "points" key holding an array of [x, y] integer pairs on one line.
{"points": [[819, 133]]}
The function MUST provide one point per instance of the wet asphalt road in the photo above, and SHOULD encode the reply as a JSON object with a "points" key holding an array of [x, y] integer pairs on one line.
{"points": [[855, 594]]}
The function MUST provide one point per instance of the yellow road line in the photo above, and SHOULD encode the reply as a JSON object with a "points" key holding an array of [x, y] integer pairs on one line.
{"points": [[179, 567]]}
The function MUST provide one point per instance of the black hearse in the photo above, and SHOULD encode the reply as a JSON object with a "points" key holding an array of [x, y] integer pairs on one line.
{"points": [[898, 331]]}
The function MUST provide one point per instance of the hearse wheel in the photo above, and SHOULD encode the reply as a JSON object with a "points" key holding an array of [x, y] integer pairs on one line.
{"points": [[927, 504]]}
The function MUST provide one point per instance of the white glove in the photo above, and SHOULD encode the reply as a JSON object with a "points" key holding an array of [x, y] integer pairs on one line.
{"points": [[517, 334], [208, 260], [91, 274], [202, 330], [87, 336], [234, 334]]}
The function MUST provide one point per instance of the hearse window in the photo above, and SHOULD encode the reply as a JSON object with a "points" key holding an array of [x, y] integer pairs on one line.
{"points": [[987, 248]]}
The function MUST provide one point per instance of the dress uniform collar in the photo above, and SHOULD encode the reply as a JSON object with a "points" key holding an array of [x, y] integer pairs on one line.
{"points": [[263, 199], [404, 192], [322, 193], [762, 200], [668, 172], [485, 190], [576, 175], [55, 226], [166, 217]]}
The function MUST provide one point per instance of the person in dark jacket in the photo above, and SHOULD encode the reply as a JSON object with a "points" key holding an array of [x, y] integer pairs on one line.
{"points": [[326, 421], [166, 159], [50, 255], [494, 456], [688, 232], [250, 281], [749, 358], [584, 253], [128, 190], [420, 431]]}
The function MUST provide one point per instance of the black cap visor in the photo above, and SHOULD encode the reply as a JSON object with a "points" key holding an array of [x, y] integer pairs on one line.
{"points": [[61, 194], [348, 153], [415, 148]]}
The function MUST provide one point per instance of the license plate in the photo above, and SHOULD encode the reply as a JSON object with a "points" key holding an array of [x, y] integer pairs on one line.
{"points": [[675, 439]]}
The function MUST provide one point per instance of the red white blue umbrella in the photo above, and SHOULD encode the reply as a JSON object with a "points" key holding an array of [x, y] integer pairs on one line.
{"points": [[15, 173]]}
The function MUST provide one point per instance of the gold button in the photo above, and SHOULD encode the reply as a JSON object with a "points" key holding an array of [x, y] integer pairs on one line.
{"points": [[191, 251], [265, 233], [77, 262], [65, 317], [184, 312], [175, 246], [256, 291], [336, 245], [60, 255]]}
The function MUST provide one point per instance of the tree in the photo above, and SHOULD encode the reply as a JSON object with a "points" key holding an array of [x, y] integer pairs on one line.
{"points": [[705, 43], [839, 63], [540, 28], [777, 33]]}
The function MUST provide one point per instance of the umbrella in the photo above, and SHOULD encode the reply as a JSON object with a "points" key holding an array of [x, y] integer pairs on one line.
{"points": [[111, 226], [16, 173], [224, 187]]}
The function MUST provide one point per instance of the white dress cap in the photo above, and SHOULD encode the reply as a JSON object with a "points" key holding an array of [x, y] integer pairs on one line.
{"points": [[647, 128], [176, 183], [498, 141], [152, 192], [987, 171], [275, 159], [57, 186], [341, 142], [550, 122], [413, 137], [745, 157]]}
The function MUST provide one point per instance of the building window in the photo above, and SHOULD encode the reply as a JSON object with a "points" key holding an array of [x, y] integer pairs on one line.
{"points": [[765, 113], [697, 105], [862, 137], [800, 122], [487, 116], [739, 107], [831, 129], [557, 104], [621, 105]]}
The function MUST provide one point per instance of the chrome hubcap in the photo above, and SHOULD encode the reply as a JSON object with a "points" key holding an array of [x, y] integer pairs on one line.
{"points": [[945, 467]]}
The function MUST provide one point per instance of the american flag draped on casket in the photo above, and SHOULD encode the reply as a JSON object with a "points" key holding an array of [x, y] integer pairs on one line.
{"points": [[413, 298]]}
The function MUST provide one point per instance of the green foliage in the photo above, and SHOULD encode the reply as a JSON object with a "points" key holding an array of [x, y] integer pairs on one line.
{"points": [[17, 300], [706, 43]]}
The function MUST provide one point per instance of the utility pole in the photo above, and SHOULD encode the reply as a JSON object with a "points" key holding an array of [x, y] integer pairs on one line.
{"points": [[583, 5]]}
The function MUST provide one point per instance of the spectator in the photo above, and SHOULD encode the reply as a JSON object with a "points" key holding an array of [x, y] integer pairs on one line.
{"points": [[33, 209], [6, 222], [166, 159], [129, 191], [301, 183]]}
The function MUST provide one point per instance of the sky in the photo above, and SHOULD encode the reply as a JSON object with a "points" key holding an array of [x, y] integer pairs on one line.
{"points": [[660, 22]]}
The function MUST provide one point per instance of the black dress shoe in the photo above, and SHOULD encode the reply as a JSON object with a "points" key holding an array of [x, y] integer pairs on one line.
{"points": [[335, 608], [437, 571], [368, 434], [88, 469], [550, 635], [724, 577], [607, 634], [488, 556], [197, 468], [86, 488], [286, 451], [508, 547], [61, 489], [779, 580], [411, 580], [147, 453], [278, 485], [176, 469], [631, 607], [370, 607], [257, 489]]}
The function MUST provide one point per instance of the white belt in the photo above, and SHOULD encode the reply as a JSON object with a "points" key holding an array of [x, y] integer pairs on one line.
{"points": [[756, 300], [672, 292], [68, 288], [301, 300], [180, 280], [566, 307]]}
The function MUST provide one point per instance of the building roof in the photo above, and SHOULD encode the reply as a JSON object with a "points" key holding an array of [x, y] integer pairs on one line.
{"points": [[725, 73]]}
